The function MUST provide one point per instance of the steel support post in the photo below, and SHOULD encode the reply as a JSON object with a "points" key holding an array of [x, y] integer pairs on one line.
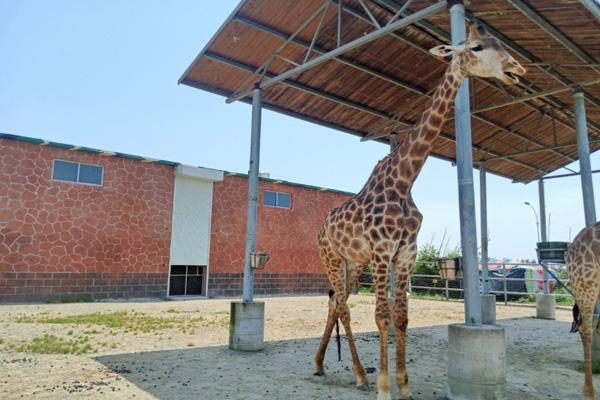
{"points": [[484, 229], [585, 167], [466, 196], [543, 226], [252, 194]]}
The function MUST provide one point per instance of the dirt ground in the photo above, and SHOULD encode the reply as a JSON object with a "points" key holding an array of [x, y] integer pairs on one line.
{"points": [[178, 350]]}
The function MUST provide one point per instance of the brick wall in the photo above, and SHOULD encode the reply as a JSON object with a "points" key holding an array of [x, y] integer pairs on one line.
{"points": [[62, 239], [288, 235]]}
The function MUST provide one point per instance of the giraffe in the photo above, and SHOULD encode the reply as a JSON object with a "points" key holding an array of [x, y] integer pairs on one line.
{"points": [[379, 225], [583, 267]]}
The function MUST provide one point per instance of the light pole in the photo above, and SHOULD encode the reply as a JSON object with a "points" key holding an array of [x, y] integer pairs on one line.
{"points": [[537, 221]]}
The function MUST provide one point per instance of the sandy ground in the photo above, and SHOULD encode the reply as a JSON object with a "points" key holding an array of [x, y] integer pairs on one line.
{"points": [[185, 363]]}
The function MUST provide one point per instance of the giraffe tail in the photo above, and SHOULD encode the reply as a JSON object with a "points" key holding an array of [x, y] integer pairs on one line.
{"points": [[337, 330], [576, 319]]}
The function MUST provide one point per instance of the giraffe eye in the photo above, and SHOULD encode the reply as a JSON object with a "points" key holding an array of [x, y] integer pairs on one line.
{"points": [[477, 48]]}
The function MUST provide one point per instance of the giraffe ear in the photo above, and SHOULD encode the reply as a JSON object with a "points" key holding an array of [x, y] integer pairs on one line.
{"points": [[443, 50]]}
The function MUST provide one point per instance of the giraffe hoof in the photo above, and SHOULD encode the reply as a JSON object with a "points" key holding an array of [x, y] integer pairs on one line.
{"points": [[319, 373], [363, 386], [384, 396], [405, 393]]}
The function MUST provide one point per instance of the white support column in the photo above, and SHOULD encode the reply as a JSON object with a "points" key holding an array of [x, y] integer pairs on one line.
{"points": [[585, 167], [476, 352], [488, 300], [247, 317], [466, 195]]}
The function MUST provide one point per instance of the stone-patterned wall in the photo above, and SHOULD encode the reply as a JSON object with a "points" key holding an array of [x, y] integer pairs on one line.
{"points": [[62, 239], [288, 235]]}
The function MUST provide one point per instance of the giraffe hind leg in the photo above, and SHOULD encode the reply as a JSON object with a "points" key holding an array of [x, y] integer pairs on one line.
{"points": [[331, 319]]}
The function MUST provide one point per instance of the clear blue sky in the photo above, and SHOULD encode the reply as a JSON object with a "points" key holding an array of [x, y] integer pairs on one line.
{"points": [[103, 73]]}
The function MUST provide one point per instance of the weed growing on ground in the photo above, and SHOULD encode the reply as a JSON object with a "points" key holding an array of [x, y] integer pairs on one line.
{"points": [[73, 299], [50, 344], [128, 322], [595, 367]]}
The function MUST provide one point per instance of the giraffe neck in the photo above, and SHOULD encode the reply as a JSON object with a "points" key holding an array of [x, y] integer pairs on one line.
{"points": [[410, 155]]}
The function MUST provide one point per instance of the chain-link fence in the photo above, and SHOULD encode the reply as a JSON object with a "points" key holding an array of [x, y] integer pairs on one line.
{"points": [[510, 282]]}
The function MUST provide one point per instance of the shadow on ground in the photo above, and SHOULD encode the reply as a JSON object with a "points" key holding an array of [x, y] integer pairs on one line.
{"points": [[543, 362]]}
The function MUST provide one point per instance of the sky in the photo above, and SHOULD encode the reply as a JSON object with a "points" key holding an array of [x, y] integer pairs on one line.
{"points": [[103, 74]]}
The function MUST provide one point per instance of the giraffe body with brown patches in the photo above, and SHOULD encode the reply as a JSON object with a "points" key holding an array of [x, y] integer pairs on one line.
{"points": [[379, 225], [583, 267]]}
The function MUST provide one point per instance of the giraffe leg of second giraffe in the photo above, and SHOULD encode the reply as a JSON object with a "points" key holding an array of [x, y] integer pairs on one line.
{"points": [[586, 331]]}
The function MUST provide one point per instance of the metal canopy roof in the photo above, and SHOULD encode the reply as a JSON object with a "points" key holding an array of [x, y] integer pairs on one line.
{"points": [[374, 76]]}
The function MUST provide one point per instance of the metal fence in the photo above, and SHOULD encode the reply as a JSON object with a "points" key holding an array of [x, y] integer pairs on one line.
{"points": [[434, 284]]}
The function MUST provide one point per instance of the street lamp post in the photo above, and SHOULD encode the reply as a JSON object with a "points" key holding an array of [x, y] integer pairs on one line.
{"points": [[537, 221]]}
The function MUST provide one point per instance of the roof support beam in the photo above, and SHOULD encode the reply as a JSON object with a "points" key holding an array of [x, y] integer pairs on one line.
{"points": [[348, 62], [552, 31], [440, 34], [592, 7], [478, 117], [440, 5], [377, 74], [445, 37], [360, 107], [528, 152], [536, 95]]}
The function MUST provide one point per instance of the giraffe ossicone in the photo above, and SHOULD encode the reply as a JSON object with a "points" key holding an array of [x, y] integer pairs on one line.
{"points": [[379, 225]]}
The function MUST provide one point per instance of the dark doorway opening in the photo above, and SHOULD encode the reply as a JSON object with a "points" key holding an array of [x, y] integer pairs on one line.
{"points": [[187, 280]]}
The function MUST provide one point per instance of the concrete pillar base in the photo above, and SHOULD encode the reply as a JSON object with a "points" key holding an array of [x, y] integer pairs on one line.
{"points": [[476, 362], [488, 309], [595, 340], [247, 326], [545, 305]]}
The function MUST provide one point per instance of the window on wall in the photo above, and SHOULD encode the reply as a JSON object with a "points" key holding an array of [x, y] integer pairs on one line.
{"points": [[69, 171], [277, 199], [187, 280]]}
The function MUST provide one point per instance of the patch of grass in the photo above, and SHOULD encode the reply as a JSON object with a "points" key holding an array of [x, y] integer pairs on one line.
{"points": [[122, 320], [84, 298], [50, 344], [173, 311], [526, 299], [351, 305]]}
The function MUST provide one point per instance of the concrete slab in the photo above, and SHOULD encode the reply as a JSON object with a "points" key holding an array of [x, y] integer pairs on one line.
{"points": [[476, 362], [545, 305], [488, 309], [247, 326]]}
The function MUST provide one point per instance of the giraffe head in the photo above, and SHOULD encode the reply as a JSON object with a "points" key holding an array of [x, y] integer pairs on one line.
{"points": [[482, 55]]}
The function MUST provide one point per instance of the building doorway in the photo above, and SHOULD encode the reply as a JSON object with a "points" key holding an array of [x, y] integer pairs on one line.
{"points": [[187, 280]]}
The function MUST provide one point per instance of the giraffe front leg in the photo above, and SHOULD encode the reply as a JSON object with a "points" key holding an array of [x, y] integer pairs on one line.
{"points": [[402, 264], [382, 318]]}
